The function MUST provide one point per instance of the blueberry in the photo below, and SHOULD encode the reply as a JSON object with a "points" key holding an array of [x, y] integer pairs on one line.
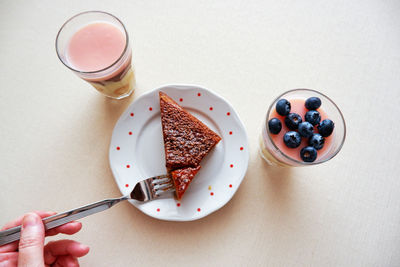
{"points": [[283, 107], [326, 127], [306, 129], [292, 121], [292, 139], [308, 154], [274, 126], [316, 141], [313, 117], [313, 103]]}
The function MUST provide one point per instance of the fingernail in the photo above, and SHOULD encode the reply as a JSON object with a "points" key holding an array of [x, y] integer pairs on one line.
{"points": [[30, 220], [83, 247]]}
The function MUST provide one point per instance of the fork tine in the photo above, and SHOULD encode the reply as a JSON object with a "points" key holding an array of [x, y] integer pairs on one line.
{"points": [[162, 186], [161, 191], [161, 180], [159, 177], [152, 188]]}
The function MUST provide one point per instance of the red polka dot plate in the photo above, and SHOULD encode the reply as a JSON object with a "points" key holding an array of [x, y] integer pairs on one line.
{"points": [[137, 152]]}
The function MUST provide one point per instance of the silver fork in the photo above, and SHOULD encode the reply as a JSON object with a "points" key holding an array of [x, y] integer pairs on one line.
{"points": [[143, 191]]}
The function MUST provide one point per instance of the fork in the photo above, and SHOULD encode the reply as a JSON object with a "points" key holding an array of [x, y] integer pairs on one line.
{"points": [[143, 191]]}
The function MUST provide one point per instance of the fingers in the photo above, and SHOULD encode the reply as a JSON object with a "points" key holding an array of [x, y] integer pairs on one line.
{"points": [[68, 229], [65, 247], [31, 242], [8, 259], [14, 245], [9, 247], [66, 261], [18, 221]]}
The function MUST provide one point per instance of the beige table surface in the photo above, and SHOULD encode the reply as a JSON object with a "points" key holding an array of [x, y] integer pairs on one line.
{"points": [[55, 129]]}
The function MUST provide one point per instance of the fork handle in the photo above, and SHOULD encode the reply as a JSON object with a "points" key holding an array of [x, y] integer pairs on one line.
{"points": [[13, 234]]}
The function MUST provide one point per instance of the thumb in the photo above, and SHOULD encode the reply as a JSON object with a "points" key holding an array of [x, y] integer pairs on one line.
{"points": [[31, 242]]}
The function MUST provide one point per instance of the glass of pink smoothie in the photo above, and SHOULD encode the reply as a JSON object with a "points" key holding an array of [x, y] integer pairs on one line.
{"points": [[95, 46], [276, 152]]}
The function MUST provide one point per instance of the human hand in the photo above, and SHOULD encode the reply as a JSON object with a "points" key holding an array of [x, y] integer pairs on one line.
{"points": [[30, 249]]}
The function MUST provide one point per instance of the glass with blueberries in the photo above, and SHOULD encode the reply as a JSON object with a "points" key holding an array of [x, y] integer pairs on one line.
{"points": [[302, 127]]}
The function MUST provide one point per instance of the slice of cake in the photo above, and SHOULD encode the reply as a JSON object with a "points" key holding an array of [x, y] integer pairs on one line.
{"points": [[186, 140], [182, 178]]}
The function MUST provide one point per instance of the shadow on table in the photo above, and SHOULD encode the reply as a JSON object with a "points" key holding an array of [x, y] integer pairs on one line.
{"points": [[278, 185], [114, 107], [278, 179]]}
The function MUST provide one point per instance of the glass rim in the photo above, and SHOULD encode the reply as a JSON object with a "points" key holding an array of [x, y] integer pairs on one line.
{"points": [[295, 160], [95, 71]]}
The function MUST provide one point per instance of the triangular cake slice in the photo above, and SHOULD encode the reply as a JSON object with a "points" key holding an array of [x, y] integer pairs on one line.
{"points": [[182, 178], [186, 141]]}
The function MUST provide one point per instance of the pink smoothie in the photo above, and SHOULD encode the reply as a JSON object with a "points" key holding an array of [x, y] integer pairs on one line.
{"points": [[297, 106], [95, 46]]}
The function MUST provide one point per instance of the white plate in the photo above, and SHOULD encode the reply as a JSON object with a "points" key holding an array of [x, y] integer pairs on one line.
{"points": [[137, 152]]}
